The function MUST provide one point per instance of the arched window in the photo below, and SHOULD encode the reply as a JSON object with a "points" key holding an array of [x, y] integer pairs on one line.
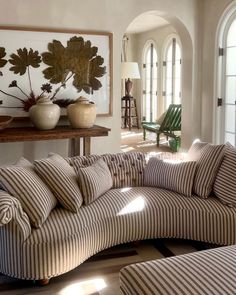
{"points": [[172, 72], [225, 124], [149, 106]]}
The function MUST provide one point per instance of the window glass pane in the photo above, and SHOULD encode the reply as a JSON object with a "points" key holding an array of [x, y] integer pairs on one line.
{"points": [[177, 91], [168, 101], [148, 68], [169, 70], [168, 86], [148, 56], [154, 56], [177, 69], [177, 52], [148, 86], [154, 71], [231, 61], [230, 118], [230, 138], [230, 95], [169, 53], [231, 38]]}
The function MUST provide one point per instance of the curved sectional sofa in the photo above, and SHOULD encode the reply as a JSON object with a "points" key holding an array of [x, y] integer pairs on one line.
{"points": [[122, 214]]}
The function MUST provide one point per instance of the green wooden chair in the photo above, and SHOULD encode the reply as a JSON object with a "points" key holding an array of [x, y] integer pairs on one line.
{"points": [[170, 124]]}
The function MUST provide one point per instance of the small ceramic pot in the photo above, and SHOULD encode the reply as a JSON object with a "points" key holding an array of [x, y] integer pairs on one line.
{"points": [[82, 113], [45, 114]]}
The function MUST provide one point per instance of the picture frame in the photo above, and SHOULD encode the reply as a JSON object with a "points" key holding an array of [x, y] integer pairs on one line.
{"points": [[14, 38]]}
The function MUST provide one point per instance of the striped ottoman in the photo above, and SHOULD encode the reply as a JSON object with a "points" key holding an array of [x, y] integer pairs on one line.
{"points": [[206, 272]]}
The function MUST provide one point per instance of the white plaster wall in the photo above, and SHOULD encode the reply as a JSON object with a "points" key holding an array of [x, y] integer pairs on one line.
{"points": [[212, 11], [104, 15]]}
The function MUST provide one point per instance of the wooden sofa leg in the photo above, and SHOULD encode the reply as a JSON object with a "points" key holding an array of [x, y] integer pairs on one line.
{"points": [[43, 282]]}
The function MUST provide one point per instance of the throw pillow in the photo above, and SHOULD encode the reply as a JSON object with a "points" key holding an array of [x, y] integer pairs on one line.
{"points": [[207, 168], [94, 180], [35, 197], [62, 180], [195, 151], [177, 177], [126, 168], [225, 186]]}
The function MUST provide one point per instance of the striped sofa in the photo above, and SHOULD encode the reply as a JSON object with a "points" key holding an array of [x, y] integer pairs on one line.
{"points": [[127, 212], [206, 272]]}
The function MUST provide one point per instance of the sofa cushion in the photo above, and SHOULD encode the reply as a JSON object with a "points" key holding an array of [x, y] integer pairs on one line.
{"points": [[225, 182], [207, 168], [62, 180], [35, 197], [94, 180], [177, 177], [203, 272], [175, 215], [126, 168]]}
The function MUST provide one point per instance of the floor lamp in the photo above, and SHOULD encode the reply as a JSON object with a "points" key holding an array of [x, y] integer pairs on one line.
{"points": [[129, 70]]}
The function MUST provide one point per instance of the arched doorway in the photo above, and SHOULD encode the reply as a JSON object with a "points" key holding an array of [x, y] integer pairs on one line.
{"points": [[183, 87]]}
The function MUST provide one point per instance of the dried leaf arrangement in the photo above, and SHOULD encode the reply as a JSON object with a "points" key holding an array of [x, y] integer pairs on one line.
{"points": [[77, 61]]}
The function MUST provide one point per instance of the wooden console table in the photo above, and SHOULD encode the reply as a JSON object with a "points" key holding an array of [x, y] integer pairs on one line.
{"points": [[18, 134]]}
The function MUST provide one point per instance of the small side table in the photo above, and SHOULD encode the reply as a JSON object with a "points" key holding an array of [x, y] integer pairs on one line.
{"points": [[129, 111]]}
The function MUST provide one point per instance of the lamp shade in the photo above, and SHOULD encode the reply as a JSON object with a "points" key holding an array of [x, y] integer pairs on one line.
{"points": [[130, 70]]}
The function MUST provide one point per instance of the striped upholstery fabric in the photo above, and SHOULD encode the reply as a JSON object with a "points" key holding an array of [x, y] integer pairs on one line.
{"points": [[35, 197], [10, 209], [195, 151], [82, 161], [225, 184], [207, 168], [126, 168], [206, 272], [177, 177], [62, 180], [118, 216], [94, 180]]}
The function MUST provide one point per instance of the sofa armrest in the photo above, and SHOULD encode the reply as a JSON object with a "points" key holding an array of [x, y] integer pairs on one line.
{"points": [[10, 209]]}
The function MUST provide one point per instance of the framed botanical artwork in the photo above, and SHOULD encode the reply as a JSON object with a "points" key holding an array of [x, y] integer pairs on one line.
{"points": [[62, 65]]}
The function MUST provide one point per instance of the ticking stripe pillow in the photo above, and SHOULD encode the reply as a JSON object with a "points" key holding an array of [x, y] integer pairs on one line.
{"points": [[62, 180], [35, 197], [94, 180], [207, 168], [177, 177], [225, 182]]}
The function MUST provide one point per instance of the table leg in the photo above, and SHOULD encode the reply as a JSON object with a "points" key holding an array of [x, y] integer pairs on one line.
{"points": [[74, 147], [87, 146]]}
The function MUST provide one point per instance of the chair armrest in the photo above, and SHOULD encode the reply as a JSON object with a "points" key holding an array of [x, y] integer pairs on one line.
{"points": [[11, 210]]}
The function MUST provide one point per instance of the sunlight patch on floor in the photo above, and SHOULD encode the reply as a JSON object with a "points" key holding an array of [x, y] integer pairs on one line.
{"points": [[84, 287], [127, 149], [128, 134]]}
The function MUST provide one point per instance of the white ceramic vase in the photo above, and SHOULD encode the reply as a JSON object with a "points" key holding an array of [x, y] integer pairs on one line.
{"points": [[45, 114], [82, 113]]}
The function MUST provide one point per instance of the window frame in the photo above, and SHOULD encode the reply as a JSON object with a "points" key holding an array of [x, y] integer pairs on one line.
{"points": [[168, 42], [153, 114]]}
